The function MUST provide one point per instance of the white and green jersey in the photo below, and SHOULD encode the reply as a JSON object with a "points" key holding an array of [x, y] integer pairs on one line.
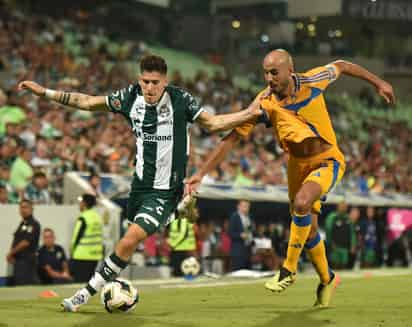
{"points": [[162, 133]]}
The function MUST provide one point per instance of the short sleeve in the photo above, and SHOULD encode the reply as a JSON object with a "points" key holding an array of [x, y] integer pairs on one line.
{"points": [[192, 107], [32, 232], [63, 254], [246, 128], [320, 77], [120, 101]]}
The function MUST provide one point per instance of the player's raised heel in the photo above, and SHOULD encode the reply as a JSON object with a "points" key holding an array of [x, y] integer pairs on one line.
{"points": [[282, 280], [324, 293], [72, 304]]}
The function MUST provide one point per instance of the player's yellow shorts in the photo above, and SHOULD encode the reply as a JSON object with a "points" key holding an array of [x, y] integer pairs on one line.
{"points": [[326, 169]]}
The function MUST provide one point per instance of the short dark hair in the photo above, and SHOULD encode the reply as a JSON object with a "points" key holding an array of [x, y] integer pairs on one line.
{"points": [[48, 229], [39, 174], [89, 200], [29, 202], [152, 63]]}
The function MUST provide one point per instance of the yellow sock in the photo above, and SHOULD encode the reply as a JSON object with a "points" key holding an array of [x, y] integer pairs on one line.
{"points": [[299, 232], [316, 251]]}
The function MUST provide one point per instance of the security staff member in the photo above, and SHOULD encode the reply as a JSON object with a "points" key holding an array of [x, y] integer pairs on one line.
{"points": [[23, 249], [87, 241], [53, 267], [182, 241]]}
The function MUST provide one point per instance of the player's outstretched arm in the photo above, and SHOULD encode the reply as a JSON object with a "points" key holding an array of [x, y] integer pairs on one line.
{"points": [[216, 157], [218, 123], [383, 88], [72, 99]]}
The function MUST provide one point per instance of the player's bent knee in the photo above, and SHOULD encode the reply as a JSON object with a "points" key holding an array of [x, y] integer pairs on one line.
{"points": [[302, 205], [313, 232]]}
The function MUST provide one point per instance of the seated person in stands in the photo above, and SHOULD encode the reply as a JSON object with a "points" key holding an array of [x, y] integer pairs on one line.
{"points": [[263, 255], [53, 266]]}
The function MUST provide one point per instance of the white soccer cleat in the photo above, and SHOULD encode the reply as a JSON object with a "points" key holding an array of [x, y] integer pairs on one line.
{"points": [[72, 304]]}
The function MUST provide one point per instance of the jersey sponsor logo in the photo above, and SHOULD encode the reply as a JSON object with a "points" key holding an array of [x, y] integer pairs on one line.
{"points": [[115, 103], [164, 111], [156, 138]]}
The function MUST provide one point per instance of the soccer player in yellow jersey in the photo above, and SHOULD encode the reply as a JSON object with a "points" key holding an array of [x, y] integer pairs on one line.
{"points": [[297, 111]]}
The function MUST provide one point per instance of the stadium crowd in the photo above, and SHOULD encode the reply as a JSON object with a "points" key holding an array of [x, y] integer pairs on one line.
{"points": [[37, 136], [40, 141]]}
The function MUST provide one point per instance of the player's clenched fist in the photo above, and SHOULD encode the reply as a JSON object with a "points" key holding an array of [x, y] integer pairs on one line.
{"points": [[33, 87]]}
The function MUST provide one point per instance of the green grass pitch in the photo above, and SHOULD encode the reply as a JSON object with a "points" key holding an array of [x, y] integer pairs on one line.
{"points": [[375, 301]]}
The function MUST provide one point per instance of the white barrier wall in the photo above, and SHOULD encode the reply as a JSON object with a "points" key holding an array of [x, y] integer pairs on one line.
{"points": [[60, 218]]}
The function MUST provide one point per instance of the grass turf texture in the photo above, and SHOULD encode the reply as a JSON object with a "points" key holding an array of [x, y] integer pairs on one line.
{"points": [[373, 301]]}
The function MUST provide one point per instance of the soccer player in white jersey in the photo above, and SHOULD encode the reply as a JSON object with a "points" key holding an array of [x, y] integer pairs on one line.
{"points": [[160, 116]]}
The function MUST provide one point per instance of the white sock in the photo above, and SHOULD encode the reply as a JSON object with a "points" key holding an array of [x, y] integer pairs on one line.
{"points": [[97, 282]]}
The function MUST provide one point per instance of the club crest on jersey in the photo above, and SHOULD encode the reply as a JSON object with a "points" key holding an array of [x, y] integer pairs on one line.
{"points": [[164, 111], [115, 103]]}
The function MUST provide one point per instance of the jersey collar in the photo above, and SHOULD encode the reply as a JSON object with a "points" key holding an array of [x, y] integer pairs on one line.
{"points": [[154, 105], [296, 81]]}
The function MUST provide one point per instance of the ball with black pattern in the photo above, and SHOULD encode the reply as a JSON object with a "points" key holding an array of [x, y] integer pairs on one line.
{"points": [[119, 295]]}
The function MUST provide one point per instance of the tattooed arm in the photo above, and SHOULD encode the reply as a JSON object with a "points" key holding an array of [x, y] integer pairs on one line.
{"points": [[72, 99]]}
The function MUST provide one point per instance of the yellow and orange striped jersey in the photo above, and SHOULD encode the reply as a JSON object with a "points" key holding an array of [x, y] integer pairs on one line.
{"points": [[303, 114]]}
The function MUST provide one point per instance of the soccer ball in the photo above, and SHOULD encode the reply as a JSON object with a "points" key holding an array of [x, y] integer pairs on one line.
{"points": [[119, 295], [190, 267]]}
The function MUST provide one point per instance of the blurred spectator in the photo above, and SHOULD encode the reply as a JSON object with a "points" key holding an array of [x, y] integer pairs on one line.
{"points": [[41, 155], [283, 244], [4, 197], [212, 260], [380, 219], [398, 252], [240, 231], [20, 169], [87, 240], [3, 98], [369, 238], [224, 246], [244, 177], [12, 195], [354, 256], [37, 191], [23, 250], [274, 232], [340, 236], [264, 256], [182, 242], [150, 249], [156, 249], [95, 182], [53, 267]]}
